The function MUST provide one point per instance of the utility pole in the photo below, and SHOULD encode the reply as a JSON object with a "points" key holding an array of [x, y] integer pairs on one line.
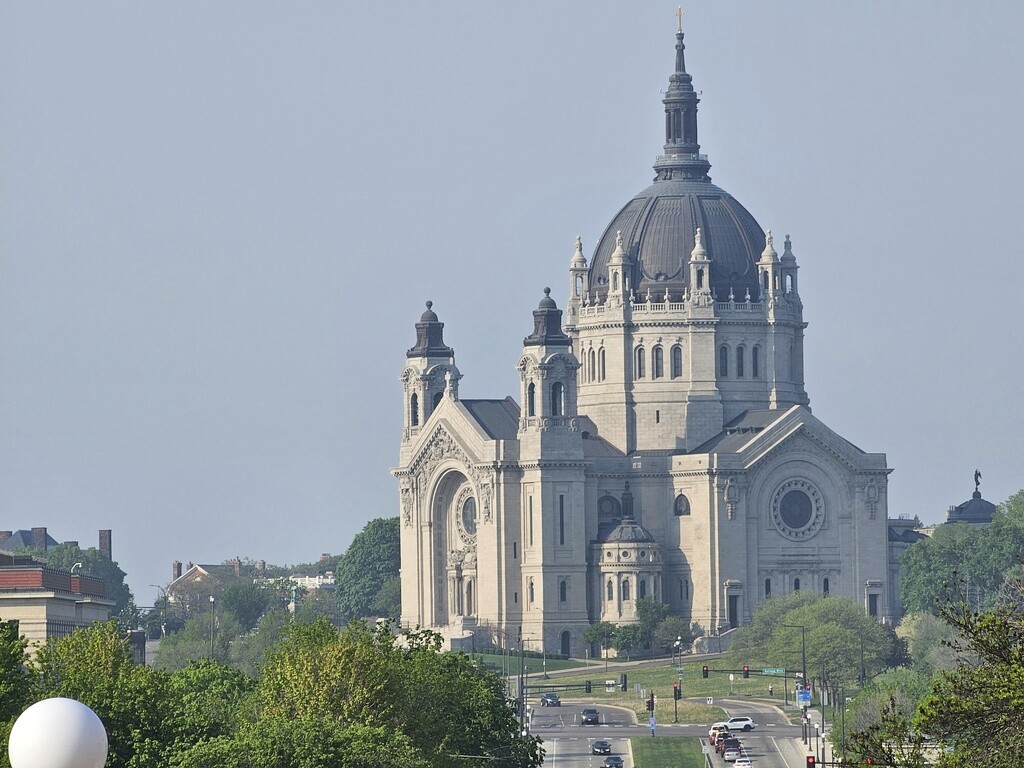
{"points": [[213, 622]]}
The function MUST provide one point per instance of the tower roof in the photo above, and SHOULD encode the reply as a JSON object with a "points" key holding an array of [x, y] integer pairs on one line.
{"points": [[658, 224]]}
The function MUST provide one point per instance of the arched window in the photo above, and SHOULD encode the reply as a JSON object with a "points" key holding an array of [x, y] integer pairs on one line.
{"points": [[531, 400], [469, 597], [437, 400], [590, 366], [615, 281], [611, 590], [414, 410], [642, 588], [531, 592], [767, 587], [796, 585], [563, 591], [700, 279], [723, 361], [600, 364], [558, 399], [764, 279], [625, 589], [686, 587], [824, 586], [657, 363], [681, 506], [677, 361], [739, 362], [755, 362], [638, 364]]}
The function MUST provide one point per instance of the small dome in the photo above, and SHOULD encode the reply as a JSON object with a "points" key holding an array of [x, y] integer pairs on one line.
{"points": [[429, 316], [547, 302], [975, 510], [629, 530]]}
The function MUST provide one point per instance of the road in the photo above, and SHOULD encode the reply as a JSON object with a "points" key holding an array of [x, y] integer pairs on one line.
{"points": [[774, 744]]}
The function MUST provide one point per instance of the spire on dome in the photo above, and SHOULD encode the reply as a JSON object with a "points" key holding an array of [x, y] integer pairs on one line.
{"points": [[769, 255], [699, 252], [579, 261], [682, 158]]}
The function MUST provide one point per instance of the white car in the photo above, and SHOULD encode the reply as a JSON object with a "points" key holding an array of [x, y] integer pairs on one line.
{"points": [[731, 755], [743, 762], [740, 724]]}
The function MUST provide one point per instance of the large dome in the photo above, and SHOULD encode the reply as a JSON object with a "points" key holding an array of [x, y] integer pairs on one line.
{"points": [[658, 226]]}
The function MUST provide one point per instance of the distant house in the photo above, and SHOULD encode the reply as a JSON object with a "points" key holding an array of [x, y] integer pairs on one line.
{"points": [[309, 582], [49, 602], [197, 577]]}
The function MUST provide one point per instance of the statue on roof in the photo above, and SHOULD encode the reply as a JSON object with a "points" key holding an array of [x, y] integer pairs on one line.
{"points": [[977, 479]]}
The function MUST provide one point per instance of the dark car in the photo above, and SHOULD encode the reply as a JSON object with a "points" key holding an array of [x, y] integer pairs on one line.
{"points": [[589, 716], [601, 747], [728, 743], [612, 761], [550, 700]]}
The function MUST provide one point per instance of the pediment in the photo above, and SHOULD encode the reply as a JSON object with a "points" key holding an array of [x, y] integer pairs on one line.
{"points": [[797, 432]]}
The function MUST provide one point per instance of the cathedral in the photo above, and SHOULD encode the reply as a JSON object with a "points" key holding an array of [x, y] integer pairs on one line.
{"points": [[661, 446]]}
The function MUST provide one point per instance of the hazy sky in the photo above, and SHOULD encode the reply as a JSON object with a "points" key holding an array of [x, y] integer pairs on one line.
{"points": [[220, 221]]}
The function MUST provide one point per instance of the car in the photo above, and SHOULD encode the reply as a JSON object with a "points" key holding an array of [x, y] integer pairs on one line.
{"points": [[550, 700], [589, 716], [731, 755], [601, 747], [716, 730], [743, 762], [612, 761], [730, 742], [740, 724]]}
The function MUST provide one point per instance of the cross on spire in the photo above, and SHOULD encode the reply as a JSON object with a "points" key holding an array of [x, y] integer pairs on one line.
{"points": [[679, 15]]}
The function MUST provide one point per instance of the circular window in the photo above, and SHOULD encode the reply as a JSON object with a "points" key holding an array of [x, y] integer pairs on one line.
{"points": [[625, 555], [795, 509], [643, 553], [798, 510], [469, 515], [464, 512]]}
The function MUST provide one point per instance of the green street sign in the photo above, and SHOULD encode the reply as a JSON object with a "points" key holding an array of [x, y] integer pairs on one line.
{"points": [[773, 671]]}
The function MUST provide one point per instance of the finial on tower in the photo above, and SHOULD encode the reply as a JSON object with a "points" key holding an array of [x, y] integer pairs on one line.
{"points": [[679, 15]]}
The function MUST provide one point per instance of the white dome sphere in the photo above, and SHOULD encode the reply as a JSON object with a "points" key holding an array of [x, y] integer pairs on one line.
{"points": [[58, 733]]}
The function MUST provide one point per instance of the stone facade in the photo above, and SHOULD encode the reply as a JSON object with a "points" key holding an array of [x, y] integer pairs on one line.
{"points": [[662, 444]]}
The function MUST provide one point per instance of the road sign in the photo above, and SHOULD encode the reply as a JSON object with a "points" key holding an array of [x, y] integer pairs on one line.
{"points": [[711, 700], [773, 671], [706, 749], [803, 697]]}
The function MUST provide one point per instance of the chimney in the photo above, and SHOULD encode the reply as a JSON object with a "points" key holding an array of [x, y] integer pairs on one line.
{"points": [[5, 535], [176, 570], [39, 538], [105, 549]]}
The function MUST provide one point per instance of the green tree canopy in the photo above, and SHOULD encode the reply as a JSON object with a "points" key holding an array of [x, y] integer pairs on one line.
{"points": [[368, 565], [15, 682]]}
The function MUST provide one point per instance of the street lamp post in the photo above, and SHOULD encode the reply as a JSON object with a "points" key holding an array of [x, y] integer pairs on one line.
{"points": [[213, 622], [163, 610]]}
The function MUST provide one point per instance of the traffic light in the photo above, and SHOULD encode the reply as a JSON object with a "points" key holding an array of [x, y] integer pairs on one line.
{"points": [[746, 671], [650, 703], [677, 693], [587, 687], [704, 671], [622, 682], [810, 761]]}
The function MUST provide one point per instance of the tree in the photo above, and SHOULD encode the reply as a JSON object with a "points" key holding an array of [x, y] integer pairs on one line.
{"points": [[929, 640], [247, 601], [15, 682], [650, 614], [95, 666], [890, 739], [444, 703], [207, 697], [600, 634], [373, 558], [671, 629], [192, 642], [628, 638], [978, 703]]}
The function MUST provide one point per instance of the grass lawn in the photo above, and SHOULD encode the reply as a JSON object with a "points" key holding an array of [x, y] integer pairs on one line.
{"points": [[667, 752]]}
